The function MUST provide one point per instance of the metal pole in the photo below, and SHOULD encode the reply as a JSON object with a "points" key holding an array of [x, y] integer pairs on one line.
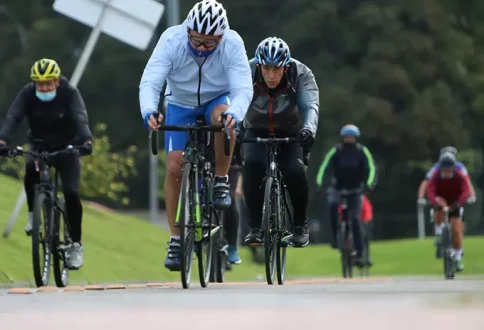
{"points": [[89, 47], [76, 77], [421, 222], [173, 18]]}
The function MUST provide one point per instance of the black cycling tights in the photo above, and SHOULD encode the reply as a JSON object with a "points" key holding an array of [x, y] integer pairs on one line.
{"points": [[69, 168], [231, 215], [290, 160]]}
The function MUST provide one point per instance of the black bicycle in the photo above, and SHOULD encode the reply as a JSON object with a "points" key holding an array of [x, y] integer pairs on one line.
{"points": [[345, 233], [196, 216], [50, 228], [276, 217]]}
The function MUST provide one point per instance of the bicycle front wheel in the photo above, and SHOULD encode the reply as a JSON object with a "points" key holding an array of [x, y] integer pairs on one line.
{"points": [[271, 237], [187, 226], [205, 248], [41, 238]]}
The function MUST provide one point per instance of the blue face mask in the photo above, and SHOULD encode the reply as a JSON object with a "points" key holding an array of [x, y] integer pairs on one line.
{"points": [[46, 96], [199, 53]]}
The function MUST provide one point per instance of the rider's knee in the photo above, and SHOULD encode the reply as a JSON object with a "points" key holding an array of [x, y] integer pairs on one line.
{"points": [[217, 111], [173, 165]]}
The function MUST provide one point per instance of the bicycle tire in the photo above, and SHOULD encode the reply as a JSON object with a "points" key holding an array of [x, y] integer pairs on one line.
{"points": [[187, 240], [61, 272], [270, 237], [41, 269], [281, 247], [447, 248], [206, 243]]}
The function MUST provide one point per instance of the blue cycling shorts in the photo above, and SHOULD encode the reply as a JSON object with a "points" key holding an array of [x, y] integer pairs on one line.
{"points": [[176, 115]]}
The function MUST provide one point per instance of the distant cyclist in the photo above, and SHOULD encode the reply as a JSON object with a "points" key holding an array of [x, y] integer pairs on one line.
{"points": [[352, 166], [285, 103], [448, 186], [423, 187], [366, 218], [207, 72], [57, 117]]}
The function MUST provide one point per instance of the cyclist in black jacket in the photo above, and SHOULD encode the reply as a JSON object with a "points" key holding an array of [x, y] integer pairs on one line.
{"points": [[57, 118], [285, 103], [352, 166]]}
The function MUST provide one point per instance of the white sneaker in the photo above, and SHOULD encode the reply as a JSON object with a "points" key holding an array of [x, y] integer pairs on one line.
{"points": [[28, 226], [74, 256]]}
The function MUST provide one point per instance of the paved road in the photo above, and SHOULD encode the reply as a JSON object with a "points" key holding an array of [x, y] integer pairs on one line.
{"points": [[407, 304]]}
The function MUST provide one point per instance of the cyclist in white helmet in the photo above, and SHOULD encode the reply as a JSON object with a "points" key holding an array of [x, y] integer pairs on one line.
{"points": [[285, 103], [207, 72]]}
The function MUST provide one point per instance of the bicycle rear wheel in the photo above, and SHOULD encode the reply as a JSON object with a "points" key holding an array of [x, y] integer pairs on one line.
{"points": [[448, 253], [60, 240], [187, 226], [281, 246], [271, 236], [42, 238]]}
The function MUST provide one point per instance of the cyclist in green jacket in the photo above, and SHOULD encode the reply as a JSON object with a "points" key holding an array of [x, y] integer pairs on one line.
{"points": [[352, 166]]}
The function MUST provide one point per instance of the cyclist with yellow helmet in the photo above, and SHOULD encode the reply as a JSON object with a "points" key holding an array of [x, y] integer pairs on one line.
{"points": [[57, 118]]}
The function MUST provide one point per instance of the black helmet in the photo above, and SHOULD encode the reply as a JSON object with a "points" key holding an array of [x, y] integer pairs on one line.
{"points": [[447, 160]]}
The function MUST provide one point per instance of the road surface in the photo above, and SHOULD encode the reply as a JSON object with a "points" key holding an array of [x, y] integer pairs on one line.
{"points": [[376, 303]]}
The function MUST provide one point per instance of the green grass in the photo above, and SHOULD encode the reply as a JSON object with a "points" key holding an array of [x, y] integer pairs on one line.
{"points": [[122, 248]]}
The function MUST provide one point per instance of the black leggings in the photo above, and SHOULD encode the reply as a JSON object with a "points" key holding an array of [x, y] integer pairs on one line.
{"points": [[69, 168], [290, 161], [231, 215]]}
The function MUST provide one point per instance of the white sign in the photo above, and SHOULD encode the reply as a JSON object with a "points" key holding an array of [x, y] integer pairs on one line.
{"points": [[130, 21]]}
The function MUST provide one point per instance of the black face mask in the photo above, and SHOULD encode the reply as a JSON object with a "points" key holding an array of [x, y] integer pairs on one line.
{"points": [[349, 145]]}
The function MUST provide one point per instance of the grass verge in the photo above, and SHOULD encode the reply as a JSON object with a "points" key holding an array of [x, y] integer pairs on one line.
{"points": [[120, 248]]}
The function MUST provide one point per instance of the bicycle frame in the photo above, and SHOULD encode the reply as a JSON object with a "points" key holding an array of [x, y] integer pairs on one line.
{"points": [[274, 172], [200, 165]]}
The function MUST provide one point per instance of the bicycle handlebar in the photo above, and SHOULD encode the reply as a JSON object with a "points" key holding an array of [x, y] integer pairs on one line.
{"points": [[19, 151], [346, 192], [190, 128], [269, 140]]}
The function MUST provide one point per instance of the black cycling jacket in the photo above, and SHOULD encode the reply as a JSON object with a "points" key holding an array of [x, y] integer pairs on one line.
{"points": [[289, 108], [52, 125]]}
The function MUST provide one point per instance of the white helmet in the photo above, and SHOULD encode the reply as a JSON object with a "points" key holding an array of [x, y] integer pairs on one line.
{"points": [[208, 17]]}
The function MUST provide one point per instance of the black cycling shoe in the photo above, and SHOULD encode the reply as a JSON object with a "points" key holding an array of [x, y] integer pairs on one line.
{"points": [[300, 238], [254, 237], [221, 193]]}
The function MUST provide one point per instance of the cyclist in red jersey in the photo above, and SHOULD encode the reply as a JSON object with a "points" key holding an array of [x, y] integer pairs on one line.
{"points": [[449, 187]]}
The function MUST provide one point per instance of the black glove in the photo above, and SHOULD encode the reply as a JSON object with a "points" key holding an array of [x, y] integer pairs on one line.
{"points": [[85, 149], [306, 138], [455, 206], [4, 150]]}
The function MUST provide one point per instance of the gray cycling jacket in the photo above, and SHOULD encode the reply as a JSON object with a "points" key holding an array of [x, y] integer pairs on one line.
{"points": [[290, 107]]}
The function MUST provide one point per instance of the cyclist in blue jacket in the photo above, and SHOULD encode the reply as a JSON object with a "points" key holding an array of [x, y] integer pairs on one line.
{"points": [[207, 72]]}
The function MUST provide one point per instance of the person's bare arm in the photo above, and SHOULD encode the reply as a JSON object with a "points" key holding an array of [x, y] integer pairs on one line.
{"points": [[238, 190]]}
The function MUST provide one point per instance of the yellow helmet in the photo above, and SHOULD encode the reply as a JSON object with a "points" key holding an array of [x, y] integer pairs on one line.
{"points": [[45, 69]]}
